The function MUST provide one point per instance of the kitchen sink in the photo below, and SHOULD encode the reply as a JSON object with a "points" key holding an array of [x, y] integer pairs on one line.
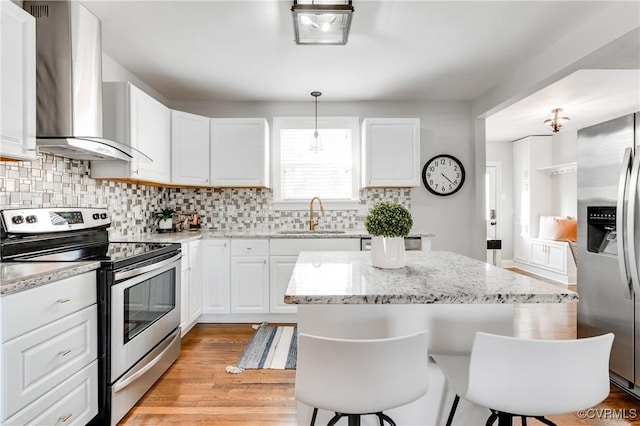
{"points": [[306, 231]]}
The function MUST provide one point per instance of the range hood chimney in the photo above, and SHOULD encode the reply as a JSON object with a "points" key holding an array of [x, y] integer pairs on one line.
{"points": [[69, 83]]}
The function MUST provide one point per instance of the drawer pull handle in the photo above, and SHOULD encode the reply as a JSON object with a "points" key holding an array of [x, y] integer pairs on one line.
{"points": [[65, 352], [65, 417], [65, 300]]}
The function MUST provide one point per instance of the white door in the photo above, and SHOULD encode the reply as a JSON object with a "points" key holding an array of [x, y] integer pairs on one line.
{"points": [[491, 210]]}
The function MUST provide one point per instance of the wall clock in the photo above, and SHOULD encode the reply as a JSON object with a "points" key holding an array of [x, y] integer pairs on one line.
{"points": [[443, 175]]}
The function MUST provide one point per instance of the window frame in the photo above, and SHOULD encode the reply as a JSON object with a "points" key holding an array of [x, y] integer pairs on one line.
{"points": [[305, 122]]}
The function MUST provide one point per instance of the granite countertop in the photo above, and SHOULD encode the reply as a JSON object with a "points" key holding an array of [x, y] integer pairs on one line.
{"points": [[429, 277], [15, 277], [186, 236]]}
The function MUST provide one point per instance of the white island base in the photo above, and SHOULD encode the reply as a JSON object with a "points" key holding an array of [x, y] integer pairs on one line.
{"points": [[451, 327]]}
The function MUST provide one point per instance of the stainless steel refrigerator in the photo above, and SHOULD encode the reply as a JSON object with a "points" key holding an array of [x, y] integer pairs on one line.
{"points": [[609, 242]]}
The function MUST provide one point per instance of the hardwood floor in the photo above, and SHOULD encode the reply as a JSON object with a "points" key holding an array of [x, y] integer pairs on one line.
{"points": [[197, 390]]}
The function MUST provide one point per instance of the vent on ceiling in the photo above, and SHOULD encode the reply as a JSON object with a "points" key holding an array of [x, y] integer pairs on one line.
{"points": [[40, 10]]}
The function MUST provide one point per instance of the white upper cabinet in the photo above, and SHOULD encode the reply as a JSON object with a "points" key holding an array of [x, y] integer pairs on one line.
{"points": [[391, 152], [532, 189], [18, 79], [239, 152], [133, 118], [190, 155]]}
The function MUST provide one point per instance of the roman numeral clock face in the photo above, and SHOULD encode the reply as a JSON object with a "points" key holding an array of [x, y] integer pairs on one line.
{"points": [[443, 175]]}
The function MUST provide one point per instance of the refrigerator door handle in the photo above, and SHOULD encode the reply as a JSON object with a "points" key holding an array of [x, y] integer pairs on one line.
{"points": [[621, 222], [631, 238]]}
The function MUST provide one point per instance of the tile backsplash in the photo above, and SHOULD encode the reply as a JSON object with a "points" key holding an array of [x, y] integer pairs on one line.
{"points": [[52, 181]]}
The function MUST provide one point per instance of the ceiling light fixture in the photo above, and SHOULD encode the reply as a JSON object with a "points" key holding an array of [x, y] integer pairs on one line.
{"points": [[316, 139], [318, 22], [556, 120]]}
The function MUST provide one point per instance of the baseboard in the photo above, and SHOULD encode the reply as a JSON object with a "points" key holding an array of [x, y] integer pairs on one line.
{"points": [[248, 318], [560, 278], [508, 263]]}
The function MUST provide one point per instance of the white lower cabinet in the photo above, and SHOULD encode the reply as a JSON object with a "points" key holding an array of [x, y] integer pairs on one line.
{"points": [[245, 279], [216, 286], [249, 276], [551, 259], [549, 254], [280, 270], [49, 343], [283, 254], [73, 402], [190, 285]]}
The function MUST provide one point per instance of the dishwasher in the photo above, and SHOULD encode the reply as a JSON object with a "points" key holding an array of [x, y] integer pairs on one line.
{"points": [[410, 243]]}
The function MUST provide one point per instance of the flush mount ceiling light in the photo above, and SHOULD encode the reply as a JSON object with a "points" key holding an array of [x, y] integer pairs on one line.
{"points": [[556, 120], [316, 139], [321, 22]]}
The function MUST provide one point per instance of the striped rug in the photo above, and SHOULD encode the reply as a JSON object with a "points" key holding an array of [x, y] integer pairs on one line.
{"points": [[271, 347]]}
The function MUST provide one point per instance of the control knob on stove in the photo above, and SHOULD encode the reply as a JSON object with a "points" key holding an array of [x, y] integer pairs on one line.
{"points": [[17, 220], [103, 215], [96, 216], [32, 219]]}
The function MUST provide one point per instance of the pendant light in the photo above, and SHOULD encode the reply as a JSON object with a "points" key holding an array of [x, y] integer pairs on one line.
{"points": [[316, 139]]}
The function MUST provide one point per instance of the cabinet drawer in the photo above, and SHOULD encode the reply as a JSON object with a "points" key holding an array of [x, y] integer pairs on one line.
{"points": [[31, 309], [76, 400], [36, 362], [249, 247]]}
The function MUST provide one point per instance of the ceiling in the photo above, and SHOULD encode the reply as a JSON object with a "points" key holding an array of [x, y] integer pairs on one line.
{"points": [[398, 50], [587, 97]]}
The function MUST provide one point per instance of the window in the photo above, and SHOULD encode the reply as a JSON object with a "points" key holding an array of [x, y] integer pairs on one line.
{"points": [[331, 173]]}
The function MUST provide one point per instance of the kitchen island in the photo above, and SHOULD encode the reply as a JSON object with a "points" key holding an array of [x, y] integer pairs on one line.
{"points": [[339, 294]]}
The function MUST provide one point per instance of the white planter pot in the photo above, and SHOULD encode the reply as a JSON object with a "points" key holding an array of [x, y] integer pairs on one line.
{"points": [[165, 224], [387, 252]]}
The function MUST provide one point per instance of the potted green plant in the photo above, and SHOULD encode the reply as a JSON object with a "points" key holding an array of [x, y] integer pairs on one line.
{"points": [[164, 219], [388, 223]]}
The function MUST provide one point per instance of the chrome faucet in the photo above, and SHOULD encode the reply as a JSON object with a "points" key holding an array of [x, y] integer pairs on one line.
{"points": [[314, 222]]}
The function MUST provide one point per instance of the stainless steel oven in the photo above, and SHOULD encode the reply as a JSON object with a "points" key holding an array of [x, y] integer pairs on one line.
{"points": [[138, 295], [144, 328]]}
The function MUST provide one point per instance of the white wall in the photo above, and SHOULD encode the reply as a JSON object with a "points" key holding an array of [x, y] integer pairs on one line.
{"points": [[445, 128], [113, 71]]}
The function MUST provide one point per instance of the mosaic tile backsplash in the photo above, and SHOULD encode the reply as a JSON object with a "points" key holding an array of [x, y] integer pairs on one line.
{"points": [[52, 181]]}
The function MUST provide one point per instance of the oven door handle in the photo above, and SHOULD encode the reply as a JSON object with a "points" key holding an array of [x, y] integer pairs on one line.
{"points": [[139, 271], [135, 376]]}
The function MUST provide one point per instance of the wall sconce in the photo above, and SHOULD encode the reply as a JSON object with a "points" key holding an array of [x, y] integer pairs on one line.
{"points": [[315, 23], [556, 120]]}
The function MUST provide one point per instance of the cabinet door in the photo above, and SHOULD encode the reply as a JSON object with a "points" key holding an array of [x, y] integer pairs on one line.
{"points": [[521, 161], [391, 152], [557, 257], [18, 83], [216, 296], [150, 123], [185, 286], [280, 270], [195, 278], [189, 149], [538, 253], [249, 285], [240, 152]]}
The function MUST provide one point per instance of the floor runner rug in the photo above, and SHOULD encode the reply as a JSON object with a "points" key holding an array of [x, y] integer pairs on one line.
{"points": [[270, 347]]}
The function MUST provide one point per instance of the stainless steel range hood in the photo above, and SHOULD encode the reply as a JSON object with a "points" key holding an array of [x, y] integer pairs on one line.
{"points": [[69, 83]]}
